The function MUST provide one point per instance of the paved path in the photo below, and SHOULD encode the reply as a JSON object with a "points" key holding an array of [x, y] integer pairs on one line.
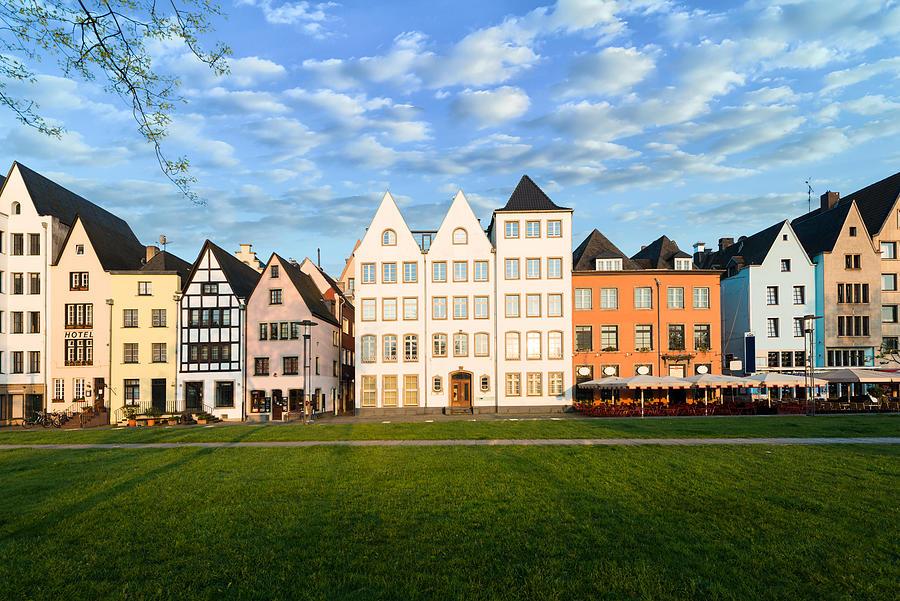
{"points": [[471, 443]]}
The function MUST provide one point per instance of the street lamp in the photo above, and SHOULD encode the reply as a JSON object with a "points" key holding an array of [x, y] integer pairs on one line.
{"points": [[306, 325], [809, 348]]}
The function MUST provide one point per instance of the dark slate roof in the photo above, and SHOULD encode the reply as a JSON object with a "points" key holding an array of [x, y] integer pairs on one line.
{"points": [[50, 198], [528, 197], [308, 290], [241, 276], [752, 250], [116, 249], [166, 261], [819, 232], [876, 201], [333, 283], [659, 254], [598, 246]]}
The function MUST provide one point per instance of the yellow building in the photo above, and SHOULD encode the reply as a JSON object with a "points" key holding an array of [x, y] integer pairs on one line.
{"points": [[144, 334]]}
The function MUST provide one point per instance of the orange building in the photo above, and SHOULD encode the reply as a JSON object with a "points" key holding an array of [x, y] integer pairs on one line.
{"points": [[620, 326]]}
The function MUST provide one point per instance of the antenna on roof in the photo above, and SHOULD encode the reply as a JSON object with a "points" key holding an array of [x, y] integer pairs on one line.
{"points": [[809, 192], [319, 257], [163, 241]]}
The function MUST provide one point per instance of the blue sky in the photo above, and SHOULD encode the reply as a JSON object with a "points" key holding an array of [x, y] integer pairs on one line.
{"points": [[693, 120]]}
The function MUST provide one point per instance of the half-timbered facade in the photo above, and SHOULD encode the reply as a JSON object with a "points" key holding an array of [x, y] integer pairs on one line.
{"points": [[212, 325]]}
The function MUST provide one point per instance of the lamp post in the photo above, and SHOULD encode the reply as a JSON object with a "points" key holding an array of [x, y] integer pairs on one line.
{"points": [[658, 330], [809, 348], [306, 325]]}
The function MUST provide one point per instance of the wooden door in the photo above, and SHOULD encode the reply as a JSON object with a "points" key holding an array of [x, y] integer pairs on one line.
{"points": [[461, 390], [158, 393], [99, 393], [276, 405]]}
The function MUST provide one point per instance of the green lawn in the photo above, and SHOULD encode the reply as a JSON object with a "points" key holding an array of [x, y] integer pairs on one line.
{"points": [[851, 425], [517, 523]]}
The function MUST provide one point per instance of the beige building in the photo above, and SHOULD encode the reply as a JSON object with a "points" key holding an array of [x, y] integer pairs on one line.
{"points": [[144, 333]]}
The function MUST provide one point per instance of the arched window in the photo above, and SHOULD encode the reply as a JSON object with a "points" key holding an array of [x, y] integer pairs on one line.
{"points": [[485, 383], [460, 236], [16, 208], [436, 384], [389, 238]]}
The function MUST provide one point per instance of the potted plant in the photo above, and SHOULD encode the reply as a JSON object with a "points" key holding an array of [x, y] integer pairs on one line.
{"points": [[130, 413], [152, 414]]}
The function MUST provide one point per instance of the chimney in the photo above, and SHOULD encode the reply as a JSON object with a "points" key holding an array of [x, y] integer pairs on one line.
{"points": [[152, 251], [829, 199], [699, 249], [725, 243]]}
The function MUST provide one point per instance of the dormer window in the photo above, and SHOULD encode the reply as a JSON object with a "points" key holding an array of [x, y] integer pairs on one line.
{"points": [[683, 264], [460, 236], [389, 238], [608, 264], [273, 273]]}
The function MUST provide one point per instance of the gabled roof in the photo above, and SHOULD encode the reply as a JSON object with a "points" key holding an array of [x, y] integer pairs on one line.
{"points": [[752, 250], [166, 261], [876, 201], [528, 197], [819, 232], [659, 254], [598, 246], [308, 291], [116, 249], [240, 276]]}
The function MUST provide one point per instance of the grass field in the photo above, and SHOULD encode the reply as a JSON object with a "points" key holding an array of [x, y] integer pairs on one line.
{"points": [[516, 523], [754, 427]]}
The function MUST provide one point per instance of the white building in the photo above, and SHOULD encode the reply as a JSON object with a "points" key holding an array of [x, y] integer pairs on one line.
{"points": [[429, 306], [769, 285]]}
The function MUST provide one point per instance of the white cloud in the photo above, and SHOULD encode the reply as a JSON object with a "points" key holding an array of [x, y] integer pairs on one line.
{"points": [[290, 136], [242, 102], [611, 71], [491, 107], [70, 149], [854, 75], [250, 71], [776, 95], [310, 17]]}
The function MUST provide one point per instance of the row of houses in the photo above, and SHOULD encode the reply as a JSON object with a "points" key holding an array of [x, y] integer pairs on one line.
{"points": [[467, 318]]}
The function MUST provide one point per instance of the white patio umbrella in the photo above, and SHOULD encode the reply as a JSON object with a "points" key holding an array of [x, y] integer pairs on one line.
{"points": [[855, 375], [770, 378], [707, 381], [641, 382]]}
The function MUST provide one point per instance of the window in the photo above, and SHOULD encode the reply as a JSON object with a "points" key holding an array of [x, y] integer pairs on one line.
{"points": [[18, 244], [389, 238], [410, 273], [439, 271], [34, 283], [210, 288], [275, 296], [888, 343], [130, 352], [643, 337], [80, 315], [78, 280], [261, 366], [18, 283], [158, 352], [675, 298], [852, 231], [785, 265], [533, 269], [853, 293], [411, 347], [59, 389], [410, 390], [368, 309], [34, 322], [851, 262], [460, 307], [460, 271], [436, 384], [132, 392], [771, 295], [799, 295], [609, 338], [555, 383], [889, 314], [554, 228], [224, 394], [608, 264], [34, 362], [554, 305], [460, 236], [439, 307], [643, 298], [367, 348], [79, 351], [512, 305], [772, 327], [554, 268], [798, 327], [410, 308], [77, 388], [701, 298], [290, 366], [369, 391], [18, 362], [683, 264], [368, 273], [702, 338], [388, 273], [533, 305], [583, 300], [130, 318], [512, 346], [389, 309], [532, 229], [533, 345], [534, 385], [554, 345], [853, 325], [389, 347], [144, 289], [460, 345], [584, 339], [888, 250], [16, 208], [481, 345], [889, 281], [485, 383], [511, 229], [846, 358], [609, 298], [481, 307], [513, 384], [481, 271], [676, 337], [158, 318], [512, 269], [439, 345], [273, 271]]}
